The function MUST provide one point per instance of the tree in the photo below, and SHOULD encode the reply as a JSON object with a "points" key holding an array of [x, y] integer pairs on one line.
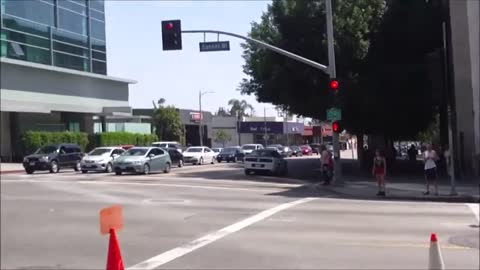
{"points": [[222, 112], [299, 26], [240, 108], [222, 137], [168, 123]]}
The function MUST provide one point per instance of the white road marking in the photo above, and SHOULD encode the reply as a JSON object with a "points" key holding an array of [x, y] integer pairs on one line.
{"points": [[475, 209], [175, 253]]}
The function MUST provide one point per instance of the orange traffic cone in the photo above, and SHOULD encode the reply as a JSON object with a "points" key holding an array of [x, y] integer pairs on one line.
{"points": [[435, 260], [114, 257]]}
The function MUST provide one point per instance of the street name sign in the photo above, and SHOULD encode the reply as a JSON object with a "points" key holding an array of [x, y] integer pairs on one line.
{"points": [[214, 46], [334, 114]]}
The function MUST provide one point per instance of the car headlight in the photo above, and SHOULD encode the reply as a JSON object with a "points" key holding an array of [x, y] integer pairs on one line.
{"points": [[45, 158], [25, 159], [138, 162]]}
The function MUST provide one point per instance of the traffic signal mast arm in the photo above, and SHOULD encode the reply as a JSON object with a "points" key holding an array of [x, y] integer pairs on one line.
{"points": [[268, 46]]}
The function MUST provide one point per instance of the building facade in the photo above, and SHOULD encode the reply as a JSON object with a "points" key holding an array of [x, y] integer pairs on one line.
{"points": [[53, 70]]}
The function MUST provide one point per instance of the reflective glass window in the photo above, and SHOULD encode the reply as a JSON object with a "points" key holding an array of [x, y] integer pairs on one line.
{"points": [[27, 53], [70, 38], [57, 46], [25, 26], [70, 61], [72, 21], [99, 67], [72, 5], [98, 5], [97, 15], [99, 56], [27, 39], [98, 29], [34, 10], [98, 45]]}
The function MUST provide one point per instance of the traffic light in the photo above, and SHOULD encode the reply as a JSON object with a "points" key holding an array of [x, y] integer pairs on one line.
{"points": [[333, 85], [336, 127], [171, 35]]}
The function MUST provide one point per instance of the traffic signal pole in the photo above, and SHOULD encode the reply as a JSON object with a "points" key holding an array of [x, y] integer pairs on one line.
{"points": [[333, 74]]}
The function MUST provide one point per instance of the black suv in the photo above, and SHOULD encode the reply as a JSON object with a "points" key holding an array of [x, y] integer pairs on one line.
{"points": [[53, 157]]}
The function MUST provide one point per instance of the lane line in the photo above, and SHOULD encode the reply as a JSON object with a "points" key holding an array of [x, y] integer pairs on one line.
{"points": [[175, 253], [475, 209]]}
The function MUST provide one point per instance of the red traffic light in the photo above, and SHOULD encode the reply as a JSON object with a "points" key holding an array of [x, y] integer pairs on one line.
{"points": [[169, 26], [334, 85], [335, 127]]}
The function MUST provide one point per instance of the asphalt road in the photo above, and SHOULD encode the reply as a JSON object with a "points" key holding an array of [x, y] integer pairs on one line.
{"points": [[215, 217]]}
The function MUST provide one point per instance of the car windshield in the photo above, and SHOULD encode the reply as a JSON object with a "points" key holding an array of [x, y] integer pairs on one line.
{"points": [[263, 153], [228, 150], [46, 149], [248, 147], [216, 150], [194, 150], [99, 152], [135, 152], [163, 145]]}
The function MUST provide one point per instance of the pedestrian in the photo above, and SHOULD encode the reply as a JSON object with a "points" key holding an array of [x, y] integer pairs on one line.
{"points": [[379, 171], [326, 165], [430, 158]]}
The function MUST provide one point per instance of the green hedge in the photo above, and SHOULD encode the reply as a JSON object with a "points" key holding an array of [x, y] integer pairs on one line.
{"points": [[32, 140], [119, 138]]}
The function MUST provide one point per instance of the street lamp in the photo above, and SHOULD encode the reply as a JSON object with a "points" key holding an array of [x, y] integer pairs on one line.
{"points": [[200, 131]]}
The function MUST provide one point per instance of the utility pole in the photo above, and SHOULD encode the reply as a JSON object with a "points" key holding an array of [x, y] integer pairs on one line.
{"points": [[200, 129], [265, 136], [333, 74]]}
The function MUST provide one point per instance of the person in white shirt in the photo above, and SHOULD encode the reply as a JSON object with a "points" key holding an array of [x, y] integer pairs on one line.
{"points": [[430, 157]]}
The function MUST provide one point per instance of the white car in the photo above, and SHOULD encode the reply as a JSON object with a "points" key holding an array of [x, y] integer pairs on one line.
{"points": [[199, 155], [249, 148], [168, 145], [100, 159], [266, 160]]}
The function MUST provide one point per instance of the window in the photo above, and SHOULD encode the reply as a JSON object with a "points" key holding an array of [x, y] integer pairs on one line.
{"points": [[99, 67], [98, 5], [74, 126], [72, 21], [73, 5], [27, 39], [70, 49], [34, 10], [98, 45], [25, 26], [98, 29], [28, 53], [99, 56], [70, 61], [118, 152], [70, 38], [72, 149], [97, 15]]}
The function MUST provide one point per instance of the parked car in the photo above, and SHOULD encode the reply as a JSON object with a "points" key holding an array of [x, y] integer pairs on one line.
{"points": [[249, 148], [199, 155], [168, 145], [296, 151], [53, 158], [143, 160], [176, 157], [101, 159], [265, 160], [230, 154], [306, 150], [283, 150], [315, 148]]}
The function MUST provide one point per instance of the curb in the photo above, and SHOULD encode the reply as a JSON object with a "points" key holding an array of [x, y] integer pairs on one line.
{"points": [[12, 172]]}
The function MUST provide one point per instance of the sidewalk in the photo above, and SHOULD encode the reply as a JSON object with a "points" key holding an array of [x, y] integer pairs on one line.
{"points": [[403, 191], [6, 168]]}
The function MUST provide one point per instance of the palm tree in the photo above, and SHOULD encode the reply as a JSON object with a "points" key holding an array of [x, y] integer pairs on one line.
{"points": [[240, 108]]}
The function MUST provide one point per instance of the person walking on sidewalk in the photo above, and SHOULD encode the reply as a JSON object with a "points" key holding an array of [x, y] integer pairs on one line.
{"points": [[379, 171], [430, 157], [326, 165]]}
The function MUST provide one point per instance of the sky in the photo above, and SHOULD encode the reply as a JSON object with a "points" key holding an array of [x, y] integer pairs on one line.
{"points": [[134, 51]]}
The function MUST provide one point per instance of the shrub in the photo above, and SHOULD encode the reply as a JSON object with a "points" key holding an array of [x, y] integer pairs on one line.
{"points": [[121, 138], [32, 140]]}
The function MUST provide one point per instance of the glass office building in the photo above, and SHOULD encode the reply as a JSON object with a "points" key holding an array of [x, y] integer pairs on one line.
{"points": [[63, 33]]}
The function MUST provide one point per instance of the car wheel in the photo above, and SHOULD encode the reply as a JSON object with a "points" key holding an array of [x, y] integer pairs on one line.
{"points": [[83, 171], [146, 169], [109, 168], [248, 172], [167, 168], [54, 167], [78, 166], [200, 162], [118, 173], [29, 171], [235, 159], [180, 163], [228, 161], [213, 161]]}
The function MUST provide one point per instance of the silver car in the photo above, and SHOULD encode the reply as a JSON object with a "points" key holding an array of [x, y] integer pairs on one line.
{"points": [[100, 159], [143, 160]]}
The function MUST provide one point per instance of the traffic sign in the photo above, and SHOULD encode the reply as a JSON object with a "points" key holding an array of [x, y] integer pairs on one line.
{"points": [[215, 46], [334, 114]]}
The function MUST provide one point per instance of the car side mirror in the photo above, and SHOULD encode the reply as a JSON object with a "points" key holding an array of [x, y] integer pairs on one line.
{"points": [[115, 156], [151, 155]]}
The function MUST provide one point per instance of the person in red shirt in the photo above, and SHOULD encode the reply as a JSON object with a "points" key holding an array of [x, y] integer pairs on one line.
{"points": [[379, 171], [326, 162]]}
